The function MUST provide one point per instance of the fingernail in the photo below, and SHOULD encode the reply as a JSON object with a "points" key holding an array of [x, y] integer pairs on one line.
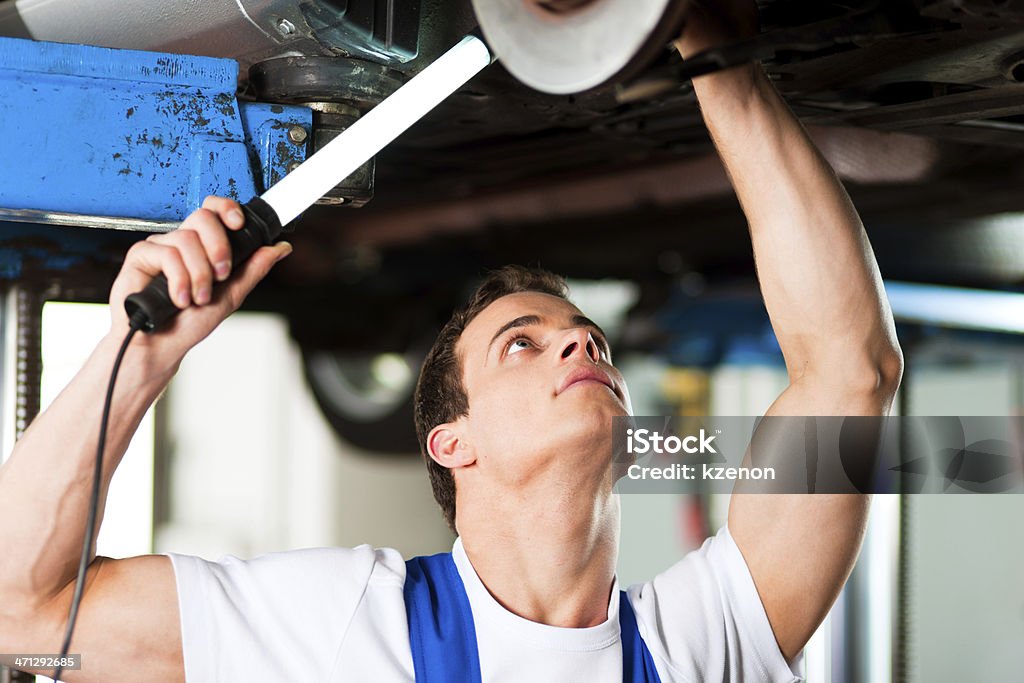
{"points": [[287, 250], [203, 296], [222, 269], [235, 218], [183, 298]]}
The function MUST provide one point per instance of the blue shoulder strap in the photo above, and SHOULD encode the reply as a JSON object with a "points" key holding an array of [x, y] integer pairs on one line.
{"points": [[637, 663], [443, 637], [441, 630]]}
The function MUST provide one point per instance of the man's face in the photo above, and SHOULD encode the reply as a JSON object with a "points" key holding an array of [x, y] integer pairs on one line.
{"points": [[542, 390]]}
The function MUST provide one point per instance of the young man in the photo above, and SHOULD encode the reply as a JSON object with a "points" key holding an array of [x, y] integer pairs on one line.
{"points": [[514, 408]]}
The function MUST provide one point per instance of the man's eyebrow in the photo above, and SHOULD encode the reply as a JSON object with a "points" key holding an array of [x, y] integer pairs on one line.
{"points": [[521, 321]]}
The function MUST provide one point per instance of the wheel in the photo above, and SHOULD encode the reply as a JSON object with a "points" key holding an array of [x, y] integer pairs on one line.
{"points": [[367, 397], [570, 46]]}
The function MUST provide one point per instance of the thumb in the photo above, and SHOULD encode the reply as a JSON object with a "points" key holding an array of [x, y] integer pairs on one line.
{"points": [[254, 270]]}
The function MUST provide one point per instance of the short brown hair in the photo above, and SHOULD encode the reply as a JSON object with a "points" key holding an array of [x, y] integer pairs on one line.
{"points": [[440, 394]]}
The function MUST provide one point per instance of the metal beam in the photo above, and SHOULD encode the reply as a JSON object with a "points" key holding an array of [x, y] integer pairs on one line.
{"points": [[134, 139]]}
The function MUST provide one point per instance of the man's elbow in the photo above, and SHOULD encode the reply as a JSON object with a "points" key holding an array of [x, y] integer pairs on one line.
{"points": [[890, 371], [21, 617], [863, 382], [876, 377]]}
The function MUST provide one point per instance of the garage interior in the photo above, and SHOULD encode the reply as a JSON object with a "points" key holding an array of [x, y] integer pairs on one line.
{"points": [[917, 104]]}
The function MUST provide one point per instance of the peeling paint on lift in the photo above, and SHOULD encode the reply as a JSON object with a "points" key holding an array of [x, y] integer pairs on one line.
{"points": [[284, 153], [168, 67], [225, 103]]}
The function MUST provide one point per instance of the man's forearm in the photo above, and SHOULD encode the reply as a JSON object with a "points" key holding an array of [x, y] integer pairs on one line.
{"points": [[45, 485], [820, 282]]}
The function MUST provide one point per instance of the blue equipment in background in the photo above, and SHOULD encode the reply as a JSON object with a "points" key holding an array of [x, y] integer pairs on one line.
{"points": [[132, 140]]}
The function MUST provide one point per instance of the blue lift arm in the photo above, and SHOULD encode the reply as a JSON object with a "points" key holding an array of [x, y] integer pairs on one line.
{"points": [[129, 140]]}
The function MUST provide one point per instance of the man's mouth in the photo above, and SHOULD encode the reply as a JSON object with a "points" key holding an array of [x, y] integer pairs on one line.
{"points": [[583, 374]]}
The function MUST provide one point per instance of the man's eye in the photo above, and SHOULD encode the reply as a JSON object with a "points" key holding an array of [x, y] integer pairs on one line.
{"points": [[520, 344]]}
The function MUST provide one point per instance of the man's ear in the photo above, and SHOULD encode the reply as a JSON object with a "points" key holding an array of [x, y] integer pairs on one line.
{"points": [[447, 447]]}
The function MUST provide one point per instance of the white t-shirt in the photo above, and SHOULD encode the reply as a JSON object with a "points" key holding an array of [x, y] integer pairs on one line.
{"points": [[338, 614]]}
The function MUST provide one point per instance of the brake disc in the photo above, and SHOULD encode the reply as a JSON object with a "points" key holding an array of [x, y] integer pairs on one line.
{"points": [[568, 46]]}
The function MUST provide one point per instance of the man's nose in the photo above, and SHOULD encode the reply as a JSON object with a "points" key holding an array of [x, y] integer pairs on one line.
{"points": [[580, 341]]}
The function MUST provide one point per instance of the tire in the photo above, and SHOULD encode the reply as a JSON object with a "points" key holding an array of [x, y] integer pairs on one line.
{"points": [[367, 398]]}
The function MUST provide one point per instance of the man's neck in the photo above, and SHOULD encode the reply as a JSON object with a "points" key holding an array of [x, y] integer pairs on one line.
{"points": [[553, 565]]}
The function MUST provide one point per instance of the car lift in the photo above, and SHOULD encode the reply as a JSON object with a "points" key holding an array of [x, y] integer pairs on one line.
{"points": [[122, 140]]}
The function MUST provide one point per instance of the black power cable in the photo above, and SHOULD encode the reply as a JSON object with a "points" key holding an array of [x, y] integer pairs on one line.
{"points": [[135, 324]]}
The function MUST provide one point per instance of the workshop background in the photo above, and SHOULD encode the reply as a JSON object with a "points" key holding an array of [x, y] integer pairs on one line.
{"points": [[232, 461]]}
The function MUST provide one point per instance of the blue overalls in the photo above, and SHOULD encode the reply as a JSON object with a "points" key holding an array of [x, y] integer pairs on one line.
{"points": [[443, 637]]}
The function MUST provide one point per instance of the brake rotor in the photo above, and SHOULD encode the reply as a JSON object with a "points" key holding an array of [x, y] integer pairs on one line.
{"points": [[568, 46]]}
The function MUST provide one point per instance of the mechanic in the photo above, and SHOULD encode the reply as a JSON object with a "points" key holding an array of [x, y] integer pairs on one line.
{"points": [[513, 411]]}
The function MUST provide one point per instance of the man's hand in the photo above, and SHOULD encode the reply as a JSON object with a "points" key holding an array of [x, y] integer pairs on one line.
{"points": [[194, 258], [712, 24]]}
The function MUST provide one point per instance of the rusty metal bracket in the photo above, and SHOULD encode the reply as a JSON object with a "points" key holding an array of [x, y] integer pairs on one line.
{"points": [[132, 140]]}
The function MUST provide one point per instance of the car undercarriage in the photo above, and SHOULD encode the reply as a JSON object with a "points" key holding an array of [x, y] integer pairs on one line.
{"points": [[606, 173]]}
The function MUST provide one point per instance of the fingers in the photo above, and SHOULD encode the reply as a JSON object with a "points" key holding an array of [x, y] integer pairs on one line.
{"points": [[215, 214], [198, 254], [209, 225], [204, 246], [194, 256], [152, 258], [228, 210]]}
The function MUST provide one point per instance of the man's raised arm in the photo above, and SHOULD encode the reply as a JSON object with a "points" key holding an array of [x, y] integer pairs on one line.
{"points": [[128, 624], [824, 296]]}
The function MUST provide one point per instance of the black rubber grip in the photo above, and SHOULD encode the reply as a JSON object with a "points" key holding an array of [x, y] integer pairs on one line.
{"points": [[152, 307]]}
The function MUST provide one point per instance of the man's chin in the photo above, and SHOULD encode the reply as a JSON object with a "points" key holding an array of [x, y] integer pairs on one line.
{"points": [[588, 427]]}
